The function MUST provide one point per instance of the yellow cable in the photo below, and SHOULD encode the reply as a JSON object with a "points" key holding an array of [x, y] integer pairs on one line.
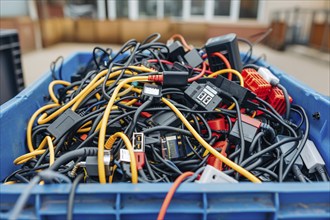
{"points": [[97, 95], [125, 91], [31, 121], [28, 156], [129, 147], [46, 118], [228, 162], [113, 173], [9, 183], [84, 130], [115, 107], [82, 95], [235, 72], [84, 127], [51, 88], [42, 144], [51, 151], [104, 122]]}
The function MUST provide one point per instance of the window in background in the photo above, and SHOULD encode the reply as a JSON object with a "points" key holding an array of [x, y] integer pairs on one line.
{"points": [[173, 8], [122, 8], [249, 9], [148, 8], [197, 7], [221, 7]]}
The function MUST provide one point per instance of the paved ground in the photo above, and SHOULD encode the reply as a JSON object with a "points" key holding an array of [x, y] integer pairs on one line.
{"points": [[308, 66]]}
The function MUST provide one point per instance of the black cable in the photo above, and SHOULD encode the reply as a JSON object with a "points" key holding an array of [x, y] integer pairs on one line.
{"points": [[167, 128], [21, 201], [322, 173], [94, 55], [287, 101], [255, 140], [152, 38], [137, 115], [240, 130], [269, 107], [23, 198], [266, 150], [248, 54], [298, 174], [53, 67], [106, 96], [253, 66], [279, 120], [301, 144], [74, 186], [72, 155], [165, 162], [265, 170]]}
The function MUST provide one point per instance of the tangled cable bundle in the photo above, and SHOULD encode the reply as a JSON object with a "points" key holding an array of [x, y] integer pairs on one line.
{"points": [[154, 112]]}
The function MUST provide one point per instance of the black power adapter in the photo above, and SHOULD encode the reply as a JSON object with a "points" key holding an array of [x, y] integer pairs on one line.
{"points": [[226, 45]]}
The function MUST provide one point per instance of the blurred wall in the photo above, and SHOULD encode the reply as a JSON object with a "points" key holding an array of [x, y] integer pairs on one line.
{"points": [[12, 8], [274, 5]]}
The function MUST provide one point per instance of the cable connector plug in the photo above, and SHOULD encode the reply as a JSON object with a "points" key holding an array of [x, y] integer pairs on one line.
{"points": [[213, 175], [268, 76], [205, 96], [151, 91], [320, 169], [139, 148], [171, 78], [298, 174], [311, 156], [92, 164]]}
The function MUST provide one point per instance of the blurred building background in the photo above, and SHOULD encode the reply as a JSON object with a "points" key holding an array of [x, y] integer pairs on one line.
{"points": [[45, 23]]}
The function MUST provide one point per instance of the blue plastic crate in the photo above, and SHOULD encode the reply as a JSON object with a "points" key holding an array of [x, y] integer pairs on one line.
{"points": [[143, 201]]}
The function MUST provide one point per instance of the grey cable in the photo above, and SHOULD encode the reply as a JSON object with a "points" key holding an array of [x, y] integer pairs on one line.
{"points": [[74, 186]]}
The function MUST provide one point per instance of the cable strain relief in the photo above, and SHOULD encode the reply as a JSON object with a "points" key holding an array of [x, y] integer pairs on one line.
{"points": [[297, 172], [156, 78], [90, 151], [320, 169], [269, 130]]}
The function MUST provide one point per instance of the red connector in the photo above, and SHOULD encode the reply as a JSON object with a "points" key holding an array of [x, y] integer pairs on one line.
{"points": [[277, 100], [218, 125], [146, 114], [139, 157], [251, 121], [254, 82], [215, 162]]}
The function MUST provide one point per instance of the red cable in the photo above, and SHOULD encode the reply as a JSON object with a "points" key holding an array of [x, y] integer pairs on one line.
{"points": [[225, 60], [163, 61], [183, 41], [199, 75], [170, 194]]}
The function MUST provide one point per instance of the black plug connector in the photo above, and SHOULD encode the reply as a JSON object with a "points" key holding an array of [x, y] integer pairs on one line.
{"points": [[205, 95], [175, 78], [63, 123], [250, 128], [193, 59], [176, 51], [228, 46], [243, 96]]}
